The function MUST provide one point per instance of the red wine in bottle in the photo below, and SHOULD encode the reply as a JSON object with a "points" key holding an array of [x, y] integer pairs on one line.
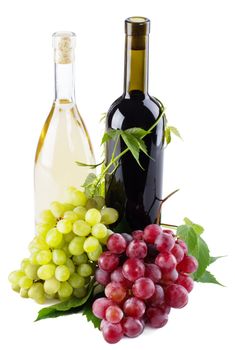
{"points": [[133, 191]]}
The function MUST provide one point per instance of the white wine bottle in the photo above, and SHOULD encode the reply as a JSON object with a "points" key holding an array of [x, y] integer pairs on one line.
{"points": [[64, 138]]}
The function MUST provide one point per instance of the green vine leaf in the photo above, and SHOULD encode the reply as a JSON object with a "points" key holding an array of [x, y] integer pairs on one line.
{"points": [[214, 258], [87, 311], [133, 146], [175, 131], [91, 166], [202, 254], [207, 277], [197, 228], [187, 234]]}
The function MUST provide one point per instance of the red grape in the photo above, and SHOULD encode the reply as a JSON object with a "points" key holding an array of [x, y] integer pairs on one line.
{"points": [[186, 282], [102, 277], [99, 307], [188, 265], [137, 249], [116, 243], [127, 237], [117, 276], [176, 296], [166, 261], [103, 323], [156, 317], [113, 314], [108, 261], [169, 232], [165, 308], [112, 333], [153, 272], [143, 288], [164, 242], [132, 327], [133, 269], [115, 292], [138, 234], [151, 232], [158, 297], [169, 277], [134, 307], [183, 245], [178, 252]]}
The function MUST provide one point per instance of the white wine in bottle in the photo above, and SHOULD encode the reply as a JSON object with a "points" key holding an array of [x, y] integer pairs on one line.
{"points": [[64, 138]]}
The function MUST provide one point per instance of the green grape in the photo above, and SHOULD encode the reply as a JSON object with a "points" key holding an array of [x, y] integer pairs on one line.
{"points": [[64, 226], [80, 292], [38, 243], [59, 256], [51, 286], [24, 263], [66, 250], [76, 281], [71, 216], [76, 197], [68, 238], [54, 238], [62, 273], [99, 231], [91, 203], [105, 238], [43, 228], [43, 257], [36, 292], [100, 202], [85, 270], [93, 216], [57, 209], [65, 290], [70, 265], [50, 296], [80, 259], [91, 244], [109, 215], [94, 256], [24, 292], [15, 288], [45, 272], [76, 245], [25, 282], [80, 212], [68, 207], [31, 271], [33, 258], [81, 228], [47, 217], [15, 276]]}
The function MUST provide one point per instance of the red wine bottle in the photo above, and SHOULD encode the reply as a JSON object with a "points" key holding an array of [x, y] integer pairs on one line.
{"points": [[133, 191]]}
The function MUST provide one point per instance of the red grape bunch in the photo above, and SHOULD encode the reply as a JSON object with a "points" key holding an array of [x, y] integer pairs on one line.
{"points": [[144, 274]]}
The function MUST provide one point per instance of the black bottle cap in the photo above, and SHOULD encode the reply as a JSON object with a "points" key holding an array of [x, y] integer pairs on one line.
{"points": [[137, 25]]}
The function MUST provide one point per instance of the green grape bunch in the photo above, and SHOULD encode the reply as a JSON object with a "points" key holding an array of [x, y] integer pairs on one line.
{"points": [[64, 253]]}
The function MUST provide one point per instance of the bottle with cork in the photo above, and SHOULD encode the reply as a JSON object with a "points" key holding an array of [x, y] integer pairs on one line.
{"points": [[64, 138]]}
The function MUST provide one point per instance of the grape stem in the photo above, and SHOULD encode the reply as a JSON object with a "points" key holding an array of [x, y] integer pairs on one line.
{"points": [[158, 219], [169, 225]]}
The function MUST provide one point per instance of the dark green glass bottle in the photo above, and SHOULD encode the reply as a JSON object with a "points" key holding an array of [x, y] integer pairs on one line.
{"points": [[135, 192]]}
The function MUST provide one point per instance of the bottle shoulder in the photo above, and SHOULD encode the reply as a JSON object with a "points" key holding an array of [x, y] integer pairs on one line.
{"points": [[128, 112]]}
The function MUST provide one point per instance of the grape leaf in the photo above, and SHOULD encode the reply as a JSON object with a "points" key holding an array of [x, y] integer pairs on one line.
{"points": [[132, 145], [72, 305], [109, 135], [87, 311], [207, 277], [167, 135], [197, 228], [214, 258], [175, 131], [187, 234], [201, 253], [91, 166], [137, 132]]}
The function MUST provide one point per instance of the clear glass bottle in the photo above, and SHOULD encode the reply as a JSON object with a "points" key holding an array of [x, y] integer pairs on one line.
{"points": [[64, 138]]}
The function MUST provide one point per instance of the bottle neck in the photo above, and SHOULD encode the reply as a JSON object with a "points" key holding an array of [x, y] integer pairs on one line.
{"points": [[136, 64], [64, 82]]}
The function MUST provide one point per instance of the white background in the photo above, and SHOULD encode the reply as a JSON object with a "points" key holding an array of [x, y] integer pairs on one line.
{"points": [[192, 70]]}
